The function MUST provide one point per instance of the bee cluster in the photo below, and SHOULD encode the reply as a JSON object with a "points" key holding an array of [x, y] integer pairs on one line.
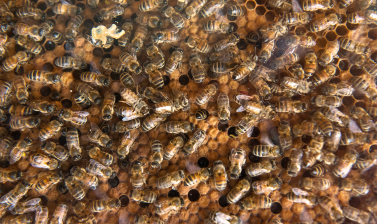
{"points": [[215, 111]]}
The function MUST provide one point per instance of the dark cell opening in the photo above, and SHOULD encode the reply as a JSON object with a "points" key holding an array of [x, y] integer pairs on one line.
{"points": [[66, 103], [48, 67], [306, 139], [284, 162], [107, 56], [193, 195], [62, 140], [250, 5], [62, 188], [45, 91], [117, 20], [356, 71], [222, 126], [76, 74], [117, 97], [69, 46], [49, 45], [115, 76], [113, 182], [372, 34], [19, 71], [4, 164], [281, 43], [123, 163], [42, 6], [270, 16], [97, 52], [222, 201], [255, 132], [242, 44], [274, 135], [321, 42], [144, 205], [203, 162], [343, 65], [55, 97], [124, 200], [252, 143], [331, 36], [50, 13], [19, 48], [341, 30], [354, 202], [276, 208], [253, 158], [348, 101], [232, 132], [15, 135], [166, 80], [108, 49], [351, 26], [173, 194], [360, 104], [261, 2], [307, 174], [184, 80], [260, 10], [44, 200], [343, 18], [297, 97], [300, 31], [231, 18]]}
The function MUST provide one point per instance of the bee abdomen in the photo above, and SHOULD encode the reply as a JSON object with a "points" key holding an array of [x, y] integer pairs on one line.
{"points": [[236, 10]]}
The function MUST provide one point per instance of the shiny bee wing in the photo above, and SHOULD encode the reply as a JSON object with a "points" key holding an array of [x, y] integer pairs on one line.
{"points": [[94, 127], [305, 216], [240, 109], [33, 201], [298, 191], [249, 132], [353, 127], [296, 6], [81, 113], [94, 68], [222, 218]]}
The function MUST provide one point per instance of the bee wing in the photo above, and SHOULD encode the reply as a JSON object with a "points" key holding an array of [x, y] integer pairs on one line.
{"points": [[15, 155], [353, 127], [249, 132], [81, 113], [244, 97], [126, 135], [94, 127], [296, 6], [222, 218], [298, 191], [33, 201], [241, 109], [305, 216], [94, 68]]}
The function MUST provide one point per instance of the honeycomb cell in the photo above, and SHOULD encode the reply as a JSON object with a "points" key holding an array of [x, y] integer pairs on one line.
{"points": [[343, 18], [276, 208], [193, 195], [250, 5], [372, 34], [260, 10], [255, 132], [348, 101], [361, 104], [306, 139], [50, 13], [351, 26], [124, 200], [97, 52], [374, 57], [48, 67], [203, 162], [321, 42], [284, 162], [335, 80], [261, 2], [341, 30], [270, 16], [354, 202], [300, 31], [45, 91], [331, 36], [49, 45], [358, 95], [252, 143], [115, 76], [222, 201], [356, 71], [222, 126], [173, 193], [344, 65], [113, 182], [42, 6], [313, 35]]}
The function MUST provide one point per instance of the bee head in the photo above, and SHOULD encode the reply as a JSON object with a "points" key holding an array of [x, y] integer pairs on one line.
{"points": [[192, 126], [121, 156], [109, 144], [181, 174], [98, 17], [367, 50], [133, 17], [113, 175], [43, 16], [84, 65], [160, 24], [182, 201], [187, 16], [178, 8], [62, 188], [138, 69], [232, 27], [242, 206], [36, 121], [304, 107], [106, 117], [235, 37], [50, 108], [19, 174], [106, 82], [98, 100]]}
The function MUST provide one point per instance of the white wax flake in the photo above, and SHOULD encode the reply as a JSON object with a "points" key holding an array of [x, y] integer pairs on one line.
{"points": [[101, 33]]}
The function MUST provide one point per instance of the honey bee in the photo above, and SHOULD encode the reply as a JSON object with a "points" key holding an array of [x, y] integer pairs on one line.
{"points": [[156, 155], [218, 26], [70, 62], [15, 62], [332, 144], [326, 101], [30, 205], [219, 175], [109, 12], [5, 93], [30, 45], [357, 215], [75, 117], [170, 180], [237, 159], [150, 5], [281, 61], [296, 18], [354, 46], [231, 41], [261, 86], [146, 196], [133, 100], [338, 89], [24, 218], [123, 126], [137, 178], [5, 144], [75, 188], [365, 121], [255, 202], [223, 107], [10, 175], [344, 165], [204, 96], [50, 130], [152, 121], [66, 9], [335, 213], [57, 151], [92, 3], [317, 5], [361, 83], [102, 157], [200, 176], [108, 106], [44, 162], [300, 196], [175, 61], [151, 21], [247, 103], [329, 53], [169, 205], [358, 18], [82, 101], [349, 138], [104, 205], [143, 219], [12, 197], [20, 149], [156, 56], [238, 191], [130, 63], [35, 13], [127, 27], [139, 37], [97, 136], [46, 182], [257, 169], [126, 79], [243, 70], [174, 16], [211, 7], [41, 76], [21, 123], [151, 94], [323, 123], [290, 106], [97, 168], [194, 7], [113, 65], [357, 186], [197, 44], [173, 147], [246, 125], [296, 71], [273, 30], [34, 32], [194, 142], [260, 187], [266, 151], [84, 178], [73, 143], [266, 51], [6, 26], [95, 78], [60, 214], [317, 183], [294, 165], [372, 111], [73, 25], [236, 10], [282, 5], [154, 76], [197, 69]]}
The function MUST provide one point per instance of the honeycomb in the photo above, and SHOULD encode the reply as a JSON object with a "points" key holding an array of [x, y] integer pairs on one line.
{"points": [[201, 198]]}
